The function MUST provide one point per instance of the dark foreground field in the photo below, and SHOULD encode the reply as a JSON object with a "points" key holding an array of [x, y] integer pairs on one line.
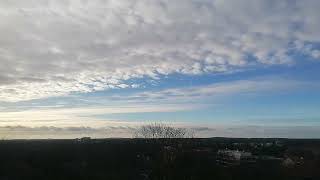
{"points": [[216, 158]]}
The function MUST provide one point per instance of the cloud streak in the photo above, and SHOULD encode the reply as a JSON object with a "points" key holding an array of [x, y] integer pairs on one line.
{"points": [[167, 100], [79, 117], [217, 90], [126, 131]]}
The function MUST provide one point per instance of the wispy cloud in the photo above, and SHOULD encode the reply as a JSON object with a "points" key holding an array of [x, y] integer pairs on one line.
{"points": [[222, 89], [78, 117], [168, 100]]}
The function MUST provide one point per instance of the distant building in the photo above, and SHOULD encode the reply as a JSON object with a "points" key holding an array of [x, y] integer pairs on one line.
{"points": [[83, 139], [233, 157], [234, 154], [288, 162]]}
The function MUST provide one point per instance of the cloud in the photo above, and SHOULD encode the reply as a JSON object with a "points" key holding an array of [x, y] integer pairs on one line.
{"points": [[54, 48], [243, 131], [216, 90], [44, 132], [126, 131], [94, 111], [79, 117]]}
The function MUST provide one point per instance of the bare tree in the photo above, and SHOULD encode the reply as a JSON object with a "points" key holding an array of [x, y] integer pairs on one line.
{"points": [[159, 130]]}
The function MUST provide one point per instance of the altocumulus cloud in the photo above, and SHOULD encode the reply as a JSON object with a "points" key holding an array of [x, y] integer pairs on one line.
{"points": [[54, 48]]}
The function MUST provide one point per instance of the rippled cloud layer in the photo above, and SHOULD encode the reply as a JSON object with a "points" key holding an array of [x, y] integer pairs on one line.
{"points": [[55, 48]]}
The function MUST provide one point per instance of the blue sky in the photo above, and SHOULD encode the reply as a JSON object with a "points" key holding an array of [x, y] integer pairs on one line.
{"points": [[296, 106], [114, 65]]}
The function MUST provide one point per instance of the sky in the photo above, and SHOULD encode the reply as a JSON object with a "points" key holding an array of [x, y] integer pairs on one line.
{"points": [[245, 68]]}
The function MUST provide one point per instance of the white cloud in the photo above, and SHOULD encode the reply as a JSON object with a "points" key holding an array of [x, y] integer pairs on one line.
{"points": [[54, 48]]}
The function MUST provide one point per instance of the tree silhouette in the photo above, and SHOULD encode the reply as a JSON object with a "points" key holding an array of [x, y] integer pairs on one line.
{"points": [[159, 130]]}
